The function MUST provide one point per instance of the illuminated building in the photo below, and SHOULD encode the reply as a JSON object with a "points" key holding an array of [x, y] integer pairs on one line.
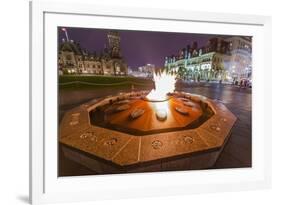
{"points": [[240, 60], [226, 59], [73, 60]]}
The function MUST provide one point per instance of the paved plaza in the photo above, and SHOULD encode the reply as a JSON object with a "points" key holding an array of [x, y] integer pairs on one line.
{"points": [[238, 150]]}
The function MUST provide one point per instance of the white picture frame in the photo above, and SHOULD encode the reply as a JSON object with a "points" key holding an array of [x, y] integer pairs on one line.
{"points": [[46, 186]]}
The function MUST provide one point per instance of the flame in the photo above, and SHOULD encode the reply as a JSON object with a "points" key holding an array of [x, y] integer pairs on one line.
{"points": [[164, 83]]}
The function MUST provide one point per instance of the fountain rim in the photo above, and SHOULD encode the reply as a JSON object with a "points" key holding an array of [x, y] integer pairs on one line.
{"points": [[215, 137], [154, 100]]}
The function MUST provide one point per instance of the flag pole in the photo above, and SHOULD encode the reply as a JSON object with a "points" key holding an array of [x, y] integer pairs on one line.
{"points": [[66, 34]]}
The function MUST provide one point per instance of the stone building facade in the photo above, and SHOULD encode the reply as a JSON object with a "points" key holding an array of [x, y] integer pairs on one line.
{"points": [[226, 59], [73, 60]]}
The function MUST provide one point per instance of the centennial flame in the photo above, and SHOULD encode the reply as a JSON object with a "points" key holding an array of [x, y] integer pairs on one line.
{"points": [[164, 83]]}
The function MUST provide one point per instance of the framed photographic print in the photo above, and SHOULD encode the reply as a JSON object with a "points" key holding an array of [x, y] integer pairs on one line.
{"points": [[130, 102]]}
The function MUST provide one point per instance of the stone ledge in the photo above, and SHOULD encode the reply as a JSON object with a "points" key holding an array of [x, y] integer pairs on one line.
{"points": [[124, 149]]}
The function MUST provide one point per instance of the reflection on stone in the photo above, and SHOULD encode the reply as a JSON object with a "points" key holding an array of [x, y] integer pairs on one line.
{"points": [[161, 114], [137, 113], [182, 110], [189, 104], [123, 107]]}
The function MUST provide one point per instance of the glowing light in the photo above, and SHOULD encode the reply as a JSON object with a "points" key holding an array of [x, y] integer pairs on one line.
{"points": [[161, 109], [164, 83], [161, 114]]}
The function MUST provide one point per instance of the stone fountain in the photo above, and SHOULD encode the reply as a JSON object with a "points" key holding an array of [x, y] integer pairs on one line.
{"points": [[130, 132]]}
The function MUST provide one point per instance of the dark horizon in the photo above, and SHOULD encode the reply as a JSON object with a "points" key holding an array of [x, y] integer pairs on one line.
{"points": [[137, 47]]}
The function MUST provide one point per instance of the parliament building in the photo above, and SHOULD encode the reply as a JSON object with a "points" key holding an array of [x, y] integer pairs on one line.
{"points": [[73, 60]]}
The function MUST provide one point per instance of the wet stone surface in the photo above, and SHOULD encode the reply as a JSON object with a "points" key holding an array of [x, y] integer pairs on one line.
{"points": [[237, 151]]}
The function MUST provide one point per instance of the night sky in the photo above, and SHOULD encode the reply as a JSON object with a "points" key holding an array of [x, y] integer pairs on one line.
{"points": [[137, 47]]}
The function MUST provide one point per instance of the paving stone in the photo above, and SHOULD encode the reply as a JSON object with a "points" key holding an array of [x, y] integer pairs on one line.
{"points": [[237, 151]]}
